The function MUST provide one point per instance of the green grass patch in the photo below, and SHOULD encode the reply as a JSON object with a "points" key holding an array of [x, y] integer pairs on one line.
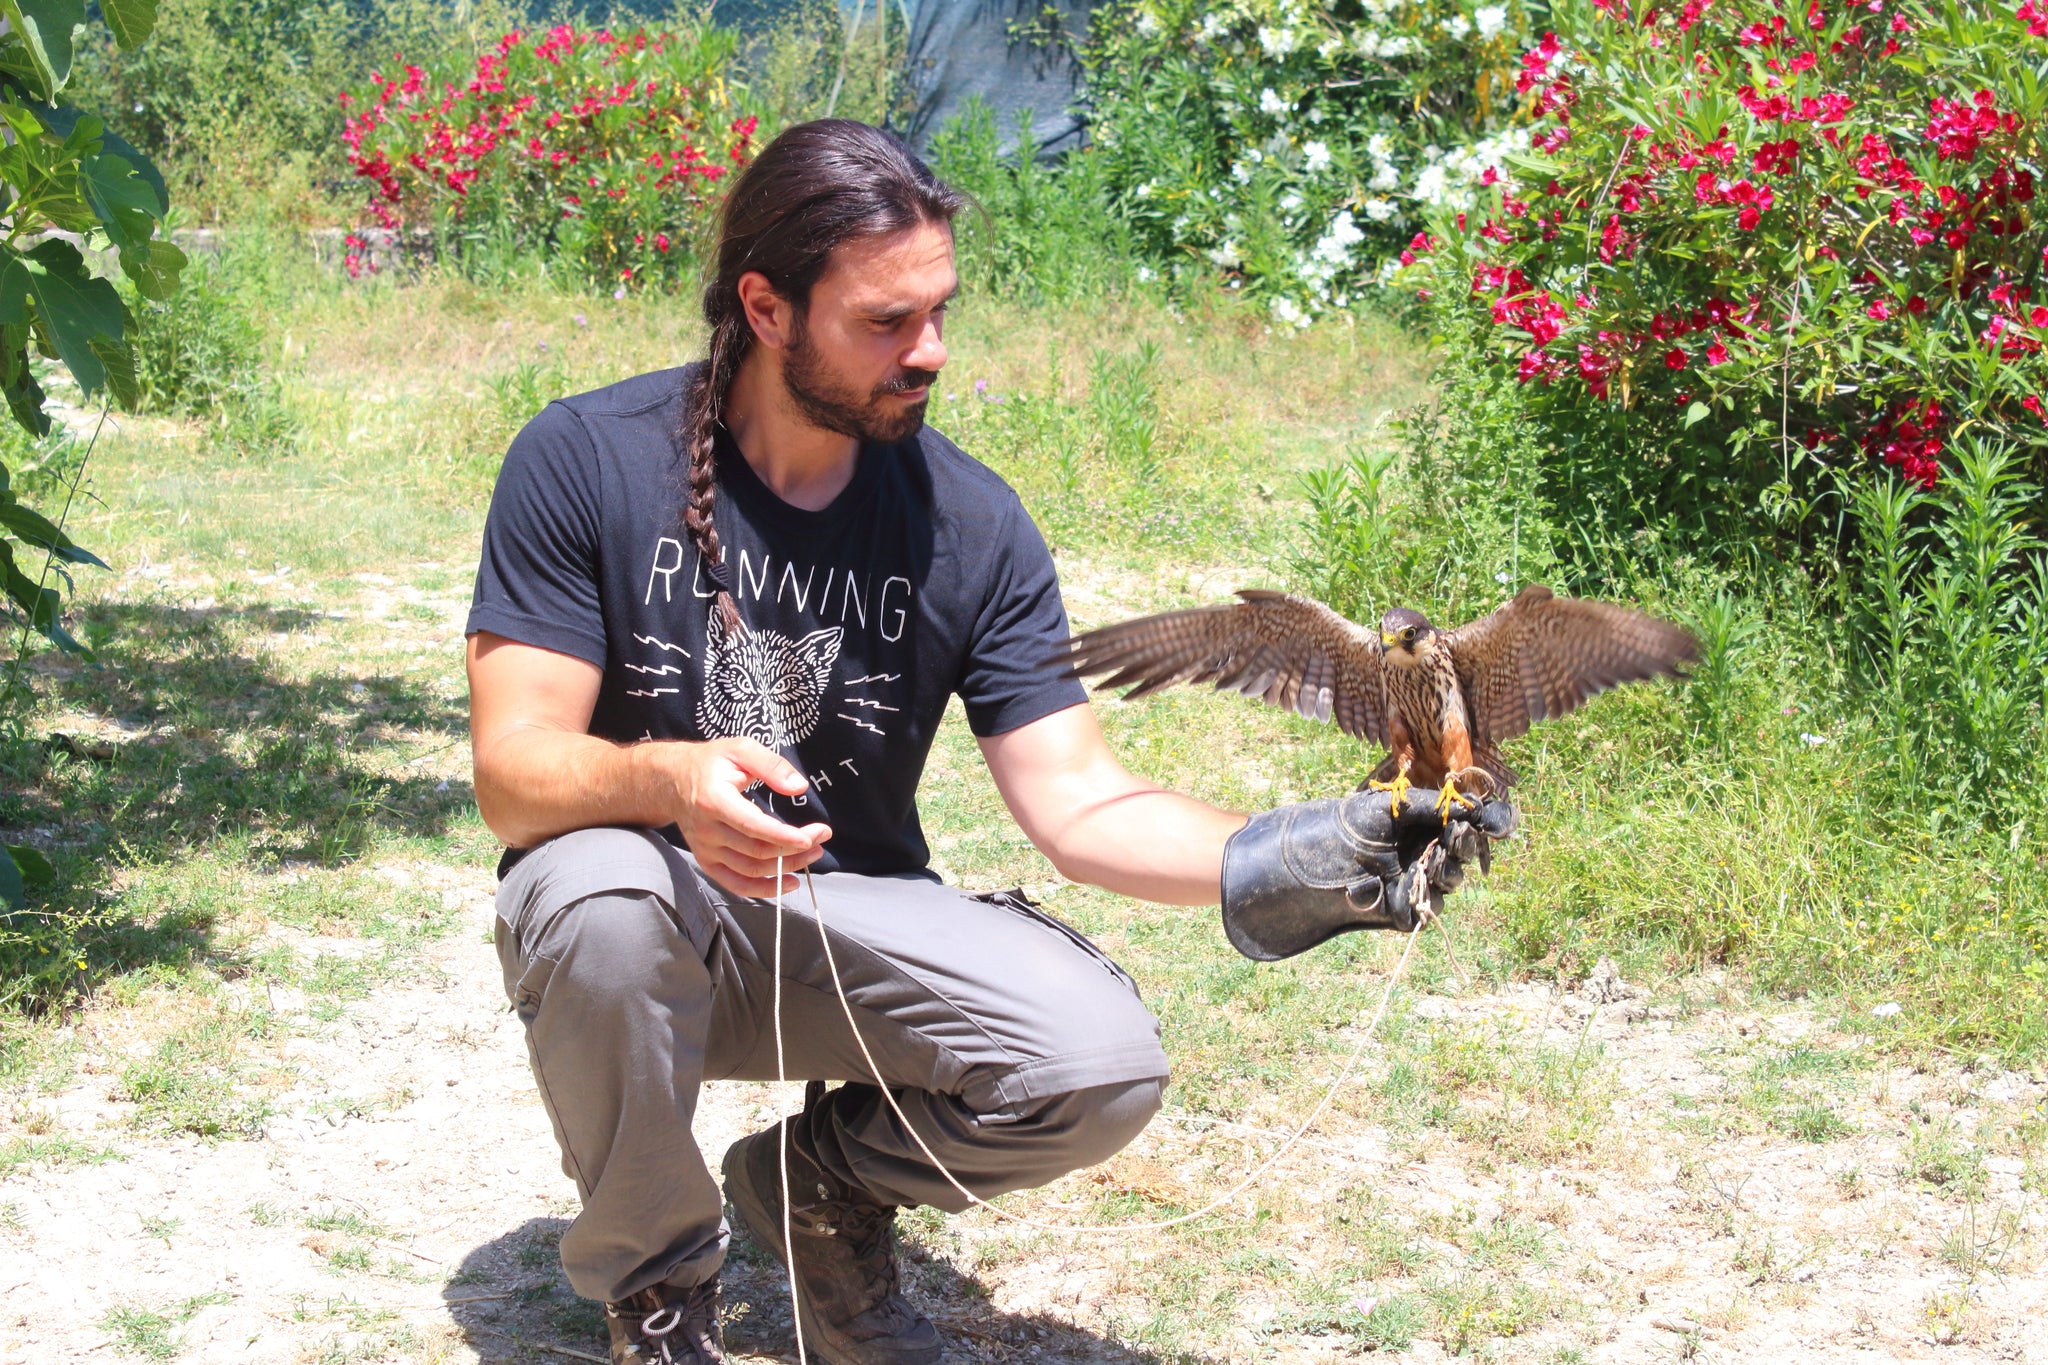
{"points": [[152, 1333], [55, 1150]]}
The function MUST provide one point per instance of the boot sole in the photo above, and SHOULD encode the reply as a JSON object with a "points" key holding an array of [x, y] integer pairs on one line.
{"points": [[766, 1232]]}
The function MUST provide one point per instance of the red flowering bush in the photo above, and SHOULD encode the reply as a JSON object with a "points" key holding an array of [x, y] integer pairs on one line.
{"points": [[611, 149], [1779, 236]]}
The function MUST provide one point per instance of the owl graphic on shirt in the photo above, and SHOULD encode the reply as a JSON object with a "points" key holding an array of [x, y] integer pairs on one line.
{"points": [[764, 686]]}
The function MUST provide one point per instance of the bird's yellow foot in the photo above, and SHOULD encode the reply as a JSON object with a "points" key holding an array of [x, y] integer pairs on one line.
{"points": [[1452, 796], [1398, 790]]}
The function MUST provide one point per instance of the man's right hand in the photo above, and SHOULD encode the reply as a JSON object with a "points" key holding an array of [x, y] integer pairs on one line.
{"points": [[735, 841], [540, 773]]}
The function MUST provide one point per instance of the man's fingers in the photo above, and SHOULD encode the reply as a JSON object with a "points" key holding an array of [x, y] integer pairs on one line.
{"points": [[757, 760], [758, 868], [750, 820], [754, 888]]}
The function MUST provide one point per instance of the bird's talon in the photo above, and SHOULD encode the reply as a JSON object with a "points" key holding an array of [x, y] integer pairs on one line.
{"points": [[1449, 796], [1396, 790]]}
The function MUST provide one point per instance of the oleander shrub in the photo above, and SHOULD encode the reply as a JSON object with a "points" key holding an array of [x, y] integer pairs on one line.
{"points": [[1765, 293], [1752, 246], [608, 151], [1290, 145]]}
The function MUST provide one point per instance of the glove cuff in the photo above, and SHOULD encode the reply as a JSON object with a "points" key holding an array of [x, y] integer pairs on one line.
{"points": [[1301, 874]]}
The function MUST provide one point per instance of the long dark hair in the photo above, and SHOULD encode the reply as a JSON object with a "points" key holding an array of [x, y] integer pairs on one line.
{"points": [[813, 189]]}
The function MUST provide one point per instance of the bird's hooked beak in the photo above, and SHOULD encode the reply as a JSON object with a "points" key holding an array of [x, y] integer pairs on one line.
{"points": [[1390, 638]]}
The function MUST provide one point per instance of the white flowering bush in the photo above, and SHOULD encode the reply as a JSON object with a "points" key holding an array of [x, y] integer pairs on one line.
{"points": [[1295, 145]]}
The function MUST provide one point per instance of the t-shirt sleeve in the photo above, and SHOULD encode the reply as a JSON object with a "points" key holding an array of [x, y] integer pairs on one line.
{"points": [[1012, 676], [538, 579]]}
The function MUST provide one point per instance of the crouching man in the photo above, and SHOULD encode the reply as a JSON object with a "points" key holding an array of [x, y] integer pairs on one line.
{"points": [[720, 612]]}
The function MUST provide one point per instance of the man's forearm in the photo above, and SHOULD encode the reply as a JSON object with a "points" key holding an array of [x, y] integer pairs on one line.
{"points": [[1154, 844], [532, 784]]}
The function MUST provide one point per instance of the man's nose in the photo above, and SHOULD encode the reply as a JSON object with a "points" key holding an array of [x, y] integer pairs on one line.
{"points": [[928, 352]]}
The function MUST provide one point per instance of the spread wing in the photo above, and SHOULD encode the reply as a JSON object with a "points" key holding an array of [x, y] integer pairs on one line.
{"points": [[1290, 651], [1541, 656]]}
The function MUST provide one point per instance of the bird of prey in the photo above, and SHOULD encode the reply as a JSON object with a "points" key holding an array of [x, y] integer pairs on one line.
{"points": [[1441, 701]]}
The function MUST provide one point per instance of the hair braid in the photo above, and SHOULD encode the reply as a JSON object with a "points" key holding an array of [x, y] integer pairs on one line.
{"points": [[703, 409]]}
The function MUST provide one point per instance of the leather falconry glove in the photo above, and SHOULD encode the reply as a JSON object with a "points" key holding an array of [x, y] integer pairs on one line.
{"points": [[1297, 875]]}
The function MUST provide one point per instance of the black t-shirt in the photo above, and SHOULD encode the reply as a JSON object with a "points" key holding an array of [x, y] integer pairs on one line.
{"points": [[924, 578]]}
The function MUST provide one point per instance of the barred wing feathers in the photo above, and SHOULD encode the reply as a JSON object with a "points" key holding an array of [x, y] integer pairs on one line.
{"points": [[1541, 656], [1289, 651]]}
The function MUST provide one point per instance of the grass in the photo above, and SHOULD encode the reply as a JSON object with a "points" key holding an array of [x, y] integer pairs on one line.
{"points": [[269, 832], [152, 1332]]}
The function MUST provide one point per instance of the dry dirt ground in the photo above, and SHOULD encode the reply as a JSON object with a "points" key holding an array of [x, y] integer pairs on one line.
{"points": [[414, 1219]]}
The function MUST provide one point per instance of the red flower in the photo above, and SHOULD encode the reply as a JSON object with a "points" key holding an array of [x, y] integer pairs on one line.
{"points": [[1879, 309], [1717, 354], [1674, 359], [1916, 305]]}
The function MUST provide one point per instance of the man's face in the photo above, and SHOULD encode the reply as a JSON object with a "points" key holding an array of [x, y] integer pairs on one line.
{"points": [[863, 359]]}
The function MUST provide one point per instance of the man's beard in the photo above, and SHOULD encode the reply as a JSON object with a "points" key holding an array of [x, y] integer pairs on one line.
{"points": [[877, 417]]}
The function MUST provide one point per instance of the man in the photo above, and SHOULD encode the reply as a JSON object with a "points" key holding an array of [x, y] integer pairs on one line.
{"points": [[719, 615]]}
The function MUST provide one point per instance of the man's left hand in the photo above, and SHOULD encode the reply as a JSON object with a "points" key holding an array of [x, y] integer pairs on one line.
{"points": [[1300, 874]]}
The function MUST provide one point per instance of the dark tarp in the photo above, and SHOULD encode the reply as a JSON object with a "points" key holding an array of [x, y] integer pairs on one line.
{"points": [[962, 48]]}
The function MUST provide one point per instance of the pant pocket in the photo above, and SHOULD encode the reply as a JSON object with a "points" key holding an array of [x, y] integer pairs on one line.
{"points": [[531, 986], [1015, 901]]}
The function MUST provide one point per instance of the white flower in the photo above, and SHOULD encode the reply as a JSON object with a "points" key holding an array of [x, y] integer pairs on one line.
{"points": [[1148, 24], [1379, 210], [1887, 1009], [1270, 103], [1490, 19], [1145, 190], [1278, 42], [1397, 45], [1384, 176], [1146, 274], [1287, 310], [1378, 146], [1225, 255], [1316, 156], [1329, 48], [1289, 202], [1457, 26], [1812, 741], [1429, 186], [1367, 41], [1212, 28], [1241, 173], [1333, 249]]}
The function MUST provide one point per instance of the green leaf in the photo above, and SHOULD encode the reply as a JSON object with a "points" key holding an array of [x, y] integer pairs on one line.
{"points": [[62, 118], [13, 894], [131, 20], [1695, 413], [125, 202], [118, 357], [71, 305], [34, 867], [45, 27], [39, 531], [41, 605], [153, 268]]}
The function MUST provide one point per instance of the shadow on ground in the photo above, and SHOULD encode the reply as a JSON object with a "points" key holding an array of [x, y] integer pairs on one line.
{"points": [[190, 734], [510, 1302]]}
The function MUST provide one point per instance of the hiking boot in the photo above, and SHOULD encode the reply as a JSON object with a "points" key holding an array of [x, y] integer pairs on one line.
{"points": [[847, 1297], [667, 1325]]}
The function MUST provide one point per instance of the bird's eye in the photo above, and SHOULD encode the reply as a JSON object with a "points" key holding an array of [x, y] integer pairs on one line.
{"points": [[1408, 636]]}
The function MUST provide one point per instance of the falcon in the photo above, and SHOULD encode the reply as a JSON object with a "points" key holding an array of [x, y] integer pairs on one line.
{"points": [[1441, 701]]}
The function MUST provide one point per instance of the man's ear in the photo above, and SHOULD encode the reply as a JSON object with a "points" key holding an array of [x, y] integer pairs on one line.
{"points": [[768, 313]]}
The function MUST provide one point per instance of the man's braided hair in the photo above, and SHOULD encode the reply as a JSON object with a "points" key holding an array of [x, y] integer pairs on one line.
{"points": [[813, 189]]}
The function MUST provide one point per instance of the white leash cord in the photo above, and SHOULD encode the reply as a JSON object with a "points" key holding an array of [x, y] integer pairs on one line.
{"points": [[782, 1138], [839, 986]]}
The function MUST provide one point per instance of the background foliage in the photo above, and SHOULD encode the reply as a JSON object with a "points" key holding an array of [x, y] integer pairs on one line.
{"points": [[63, 172], [1795, 424]]}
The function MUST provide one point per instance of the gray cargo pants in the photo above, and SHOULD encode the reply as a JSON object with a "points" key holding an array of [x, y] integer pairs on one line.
{"points": [[1019, 1051]]}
